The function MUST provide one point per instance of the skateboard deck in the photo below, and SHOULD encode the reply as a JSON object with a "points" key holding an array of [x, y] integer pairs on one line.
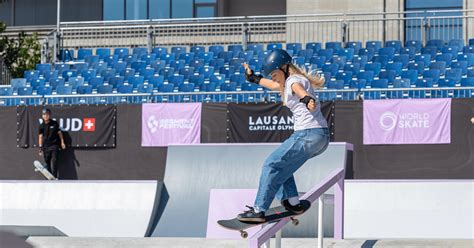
{"points": [[272, 215], [39, 167]]}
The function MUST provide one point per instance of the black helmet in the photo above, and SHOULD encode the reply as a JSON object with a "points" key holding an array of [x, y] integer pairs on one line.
{"points": [[46, 111], [275, 60]]}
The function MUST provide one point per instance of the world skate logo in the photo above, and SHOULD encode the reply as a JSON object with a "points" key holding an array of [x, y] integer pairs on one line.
{"points": [[388, 121], [152, 124]]}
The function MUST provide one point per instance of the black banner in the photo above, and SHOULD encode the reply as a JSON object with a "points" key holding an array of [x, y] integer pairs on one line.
{"points": [[265, 122], [83, 126]]}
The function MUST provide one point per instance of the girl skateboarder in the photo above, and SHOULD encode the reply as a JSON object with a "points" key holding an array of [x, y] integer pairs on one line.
{"points": [[310, 137]]}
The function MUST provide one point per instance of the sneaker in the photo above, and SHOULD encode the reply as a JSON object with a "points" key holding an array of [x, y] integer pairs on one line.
{"points": [[251, 216], [297, 209]]}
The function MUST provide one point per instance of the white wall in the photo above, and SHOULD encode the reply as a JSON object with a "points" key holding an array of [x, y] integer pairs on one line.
{"points": [[392, 209]]}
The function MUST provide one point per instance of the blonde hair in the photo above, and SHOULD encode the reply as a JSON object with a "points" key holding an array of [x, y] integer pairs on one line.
{"points": [[313, 77]]}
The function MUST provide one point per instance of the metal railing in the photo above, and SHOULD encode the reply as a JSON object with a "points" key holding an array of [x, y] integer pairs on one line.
{"points": [[237, 96]]}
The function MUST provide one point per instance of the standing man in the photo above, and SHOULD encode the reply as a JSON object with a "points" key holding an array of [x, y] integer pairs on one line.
{"points": [[50, 139]]}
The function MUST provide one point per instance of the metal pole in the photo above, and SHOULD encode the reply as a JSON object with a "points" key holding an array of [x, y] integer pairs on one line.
{"points": [[58, 32], [278, 239], [320, 221]]}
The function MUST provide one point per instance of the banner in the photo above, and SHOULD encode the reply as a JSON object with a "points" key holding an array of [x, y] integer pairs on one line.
{"points": [[82, 126], [407, 121], [171, 123], [265, 122]]}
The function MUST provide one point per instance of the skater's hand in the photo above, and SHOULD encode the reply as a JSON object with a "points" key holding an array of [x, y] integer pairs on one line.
{"points": [[63, 146], [250, 75], [311, 106]]}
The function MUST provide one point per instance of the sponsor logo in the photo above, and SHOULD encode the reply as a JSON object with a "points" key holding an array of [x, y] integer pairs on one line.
{"points": [[389, 120], [270, 123], [89, 125], [183, 123], [75, 124]]}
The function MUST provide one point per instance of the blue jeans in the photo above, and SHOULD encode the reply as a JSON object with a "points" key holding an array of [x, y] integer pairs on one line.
{"points": [[277, 178]]}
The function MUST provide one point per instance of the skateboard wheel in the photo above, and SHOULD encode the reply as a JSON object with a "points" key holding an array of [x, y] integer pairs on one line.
{"points": [[295, 221], [244, 234]]}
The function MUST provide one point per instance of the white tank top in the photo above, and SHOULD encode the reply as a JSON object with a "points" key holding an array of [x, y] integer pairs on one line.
{"points": [[303, 118]]}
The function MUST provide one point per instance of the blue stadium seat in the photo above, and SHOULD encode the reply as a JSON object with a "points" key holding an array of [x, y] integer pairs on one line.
{"points": [[92, 59], [121, 52], [206, 71], [217, 79], [125, 89], [439, 65], [102, 52], [43, 68], [453, 50], [196, 79], [130, 58], [168, 57], [177, 50], [396, 44], [148, 58], [414, 43], [410, 74], [80, 66], [216, 49], [339, 60], [368, 76], [439, 44], [120, 66], [159, 51], [345, 76], [326, 53], [247, 55], [61, 67], [424, 83], [83, 52], [315, 46], [335, 84], [158, 64], [68, 74], [462, 64], [469, 57], [356, 45], [140, 51], [258, 63], [31, 75], [447, 58], [217, 63], [25, 91], [361, 59], [55, 82], [466, 49], [456, 42], [177, 64], [396, 66], [376, 45], [113, 81], [104, 89], [368, 52], [425, 58], [238, 78], [471, 42], [189, 87], [409, 51], [375, 67], [84, 89], [186, 72], [347, 52], [299, 61], [40, 82], [128, 72], [148, 72], [54, 74], [166, 72], [382, 59], [209, 87], [295, 47], [187, 57], [402, 83], [380, 83], [255, 47], [145, 88], [434, 74], [402, 58], [232, 86], [197, 49], [67, 55], [176, 79], [357, 83], [390, 75], [208, 56], [227, 56], [454, 73], [75, 81], [6, 91], [446, 82], [467, 82], [166, 88], [334, 45], [44, 90], [273, 46], [331, 68], [431, 50], [235, 49], [236, 62], [156, 80], [319, 61], [389, 51], [354, 68], [227, 71], [111, 59], [307, 54], [63, 90], [96, 81]]}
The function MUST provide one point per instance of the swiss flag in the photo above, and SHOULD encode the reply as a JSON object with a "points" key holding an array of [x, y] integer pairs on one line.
{"points": [[88, 125]]}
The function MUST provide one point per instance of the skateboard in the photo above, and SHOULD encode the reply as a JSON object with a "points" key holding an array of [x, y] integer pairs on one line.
{"points": [[39, 167], [272, 215]]}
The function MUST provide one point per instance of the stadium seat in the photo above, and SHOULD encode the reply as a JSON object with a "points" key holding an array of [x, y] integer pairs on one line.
{"points": [[447, 58], [84, 89], [390, 75], [148, 58], [295, 47], [446, 82], [396, 66], [471, 42], [104, 89], [235, 48], [43, 68], [402, 83], [255, 47], [462, 64], [357, 83], [368, 76], [197, 49], [121, 66], [128, 72], [227, 56], [246, 55], [380, 83], [44, 90], [125, 89], [409, 51], [466, 49], [353, 67], [361, 59], [158, 64], [64, 90], [467, 82], [456, 42], [177, 64], [210, 87], [424, 83], [177, 50], [299, 61], [196, 79], [388, 51], [425, 58], [315, 46], [319, 61], [273, 46], [56, 82], [414, 43], [307, 54], [331, 68], [159, 51], [176, 79], [356, 45], [92, 59], [207, 56], [186, 72], [217, 63], [439, 44], [335, 84], [431, 50], [121, 52], [136, 80], [166, 72], [111, 59], [227, 71], [168, 57], [66, 55], [54, 74], [83, 52], [166, 88], [145, 88], [402, 58], [468, 57], [156, 80], [40, 82], [216, 49], [232, 86], [410, 74], [102, 52], [434, 74], [217, 79], [96, 81], [113, 81], [326, 53], [345, 76], [68, 74], [439, 65], [24, 91], [368, 52], [347, 52], [189, 87], [454, 73], [206, 71], [375, 67], [453, 50], [148, 72], [6, 91], [334, 45], [396, 44], [75, 81], [376, 45]]}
